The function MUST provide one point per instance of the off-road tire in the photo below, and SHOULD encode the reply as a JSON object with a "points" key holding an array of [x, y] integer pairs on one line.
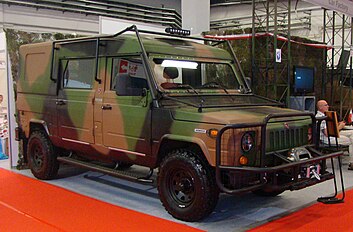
{"points": [[264, 193], [187, 186], [41, 156]]}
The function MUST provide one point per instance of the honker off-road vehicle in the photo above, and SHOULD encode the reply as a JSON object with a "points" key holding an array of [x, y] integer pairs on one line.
{"points": [[165, 102]]}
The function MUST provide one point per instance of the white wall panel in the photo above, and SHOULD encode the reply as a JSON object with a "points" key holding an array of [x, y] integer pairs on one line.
{"points": [[112, 26], [195, 15], [30, 19], [171, 4]]}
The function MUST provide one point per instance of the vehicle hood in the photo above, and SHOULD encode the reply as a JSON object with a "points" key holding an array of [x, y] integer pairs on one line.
{"points": [[233, 115]]}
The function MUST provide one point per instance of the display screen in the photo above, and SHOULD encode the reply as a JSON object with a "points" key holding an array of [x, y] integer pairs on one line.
{"points": [[303, 80]]}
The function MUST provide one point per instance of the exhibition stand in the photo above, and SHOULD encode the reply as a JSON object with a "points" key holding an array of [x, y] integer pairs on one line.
{"points": [[3, 135]]}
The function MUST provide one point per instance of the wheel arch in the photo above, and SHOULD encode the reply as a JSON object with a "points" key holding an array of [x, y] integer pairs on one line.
{"points": [[36, 124], [172, 142]]}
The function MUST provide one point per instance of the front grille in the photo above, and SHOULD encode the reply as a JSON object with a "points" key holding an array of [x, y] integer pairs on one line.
{"points": [[286, 138]]}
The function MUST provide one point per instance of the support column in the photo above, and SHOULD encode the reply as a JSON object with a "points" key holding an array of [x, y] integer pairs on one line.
{"points": [[272, 18], [338, 33]]}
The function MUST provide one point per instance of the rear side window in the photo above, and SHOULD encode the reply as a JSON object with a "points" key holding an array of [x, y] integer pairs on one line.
{"points": [[78, 73]]}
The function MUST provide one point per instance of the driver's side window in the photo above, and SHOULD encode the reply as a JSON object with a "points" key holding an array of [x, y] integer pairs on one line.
{"points": [[128, 77]]}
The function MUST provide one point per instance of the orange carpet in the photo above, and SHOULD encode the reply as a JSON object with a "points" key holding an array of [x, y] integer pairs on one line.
{"points": [[29, 205], [318, 217]]}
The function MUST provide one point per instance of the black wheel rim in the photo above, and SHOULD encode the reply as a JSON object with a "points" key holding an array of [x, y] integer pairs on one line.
{"points": [[181, 186], [37, 155]]}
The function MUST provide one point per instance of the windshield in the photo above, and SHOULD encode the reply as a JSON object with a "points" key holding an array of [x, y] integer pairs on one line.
{"points": [[203, 76]]}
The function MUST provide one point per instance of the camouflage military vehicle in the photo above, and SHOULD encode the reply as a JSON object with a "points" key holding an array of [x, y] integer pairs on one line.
{"points": [[165, 102]]}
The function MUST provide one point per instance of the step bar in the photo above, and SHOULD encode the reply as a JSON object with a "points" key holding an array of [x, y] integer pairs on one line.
{"points": [[109, 171]]}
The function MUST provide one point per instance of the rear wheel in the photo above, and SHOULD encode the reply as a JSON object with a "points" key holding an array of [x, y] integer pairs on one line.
{"points": [[41, 156], [186, 186]]}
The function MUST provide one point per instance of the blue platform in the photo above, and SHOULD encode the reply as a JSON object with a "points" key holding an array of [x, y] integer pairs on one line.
{"points": [[2, 154]]}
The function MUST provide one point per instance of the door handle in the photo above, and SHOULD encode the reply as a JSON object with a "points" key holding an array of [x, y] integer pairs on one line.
{"points": [[106, 107], [60, 102]]}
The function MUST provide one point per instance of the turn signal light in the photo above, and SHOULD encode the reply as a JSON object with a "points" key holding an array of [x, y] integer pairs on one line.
{"points": [[213, 133], [243, 160]]}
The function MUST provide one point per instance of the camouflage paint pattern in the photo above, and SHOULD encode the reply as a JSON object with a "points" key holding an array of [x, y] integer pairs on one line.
{"points": [[132, 130]]}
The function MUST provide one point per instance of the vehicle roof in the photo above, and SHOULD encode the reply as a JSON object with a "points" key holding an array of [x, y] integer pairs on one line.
{"points": [[184, 47], [153, 44]]}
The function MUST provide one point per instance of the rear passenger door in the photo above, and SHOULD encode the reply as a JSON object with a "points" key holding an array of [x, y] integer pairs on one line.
{"points": [[126, 109]]}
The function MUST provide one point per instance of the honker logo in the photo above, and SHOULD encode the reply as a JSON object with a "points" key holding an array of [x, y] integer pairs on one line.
{"points": [[286, 125]]}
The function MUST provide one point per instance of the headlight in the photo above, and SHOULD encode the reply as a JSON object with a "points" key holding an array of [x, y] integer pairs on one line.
{"points": [[247, 141]]}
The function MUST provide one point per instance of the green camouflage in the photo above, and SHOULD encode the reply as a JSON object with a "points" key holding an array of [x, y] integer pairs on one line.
{"points": [[37, 96], [162, 110]]}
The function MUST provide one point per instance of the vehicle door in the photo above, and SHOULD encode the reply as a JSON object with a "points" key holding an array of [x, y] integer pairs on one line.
{"points": [[126, 109], [75, 98]]}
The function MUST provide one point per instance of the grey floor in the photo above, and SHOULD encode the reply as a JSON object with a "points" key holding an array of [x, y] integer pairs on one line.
{"points": [[233, 213]]}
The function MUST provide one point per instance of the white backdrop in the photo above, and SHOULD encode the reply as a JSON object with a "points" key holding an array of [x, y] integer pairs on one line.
{"points": [[112, 26]]}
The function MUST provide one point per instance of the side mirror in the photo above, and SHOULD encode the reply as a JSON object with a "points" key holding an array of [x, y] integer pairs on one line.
{"points": [[144, 92], [248, 81]]}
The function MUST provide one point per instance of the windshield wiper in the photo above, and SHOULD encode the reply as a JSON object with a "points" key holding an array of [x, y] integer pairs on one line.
{"points": [[202, 100], [214, 84], [217, 85], [188, 87], [199, 107]]}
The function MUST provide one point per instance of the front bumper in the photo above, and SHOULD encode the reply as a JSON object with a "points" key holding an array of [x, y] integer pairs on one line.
{"points": [[295, 182]]}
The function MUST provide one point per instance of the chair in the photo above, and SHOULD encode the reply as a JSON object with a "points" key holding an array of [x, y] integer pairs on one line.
{"points": [[332, 125], [170, 73], [333, 131]]}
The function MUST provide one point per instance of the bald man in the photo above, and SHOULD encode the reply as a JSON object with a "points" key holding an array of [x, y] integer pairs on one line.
{"points": [[346, 136]]}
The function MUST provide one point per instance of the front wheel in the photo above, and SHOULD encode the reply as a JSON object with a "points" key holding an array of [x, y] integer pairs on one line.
{"points": [[186, 186], [41, 156]]}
